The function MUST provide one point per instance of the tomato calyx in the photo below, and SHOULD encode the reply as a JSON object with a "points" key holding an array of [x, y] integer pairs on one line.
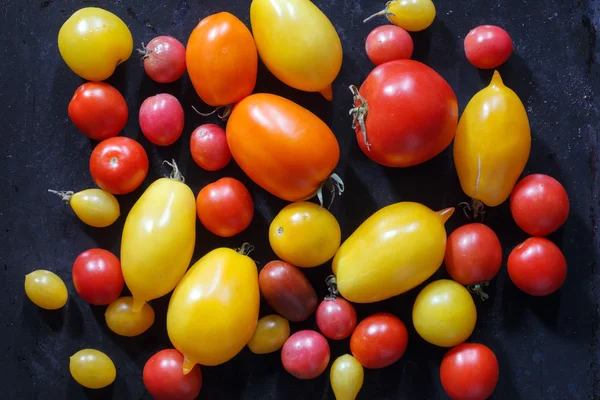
{"points": [[223, 112], [144, 52], [245, 249], [331, 283], [175, 174], [335, 184], [359, 113], [477, 288], [64, 195], [474, 210], [385, 12]]}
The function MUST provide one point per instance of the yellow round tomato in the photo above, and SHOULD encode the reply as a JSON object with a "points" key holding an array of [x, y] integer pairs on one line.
{"points": [[346, 377], [412, 15], [46, 290], [305, 234], [93, 42], [92, 369], [271, 333], [213, 312], [444, 313], [121, 319]]}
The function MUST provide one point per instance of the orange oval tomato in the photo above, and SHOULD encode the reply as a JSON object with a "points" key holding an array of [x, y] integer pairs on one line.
{"points": [[222, 59], [283, 147]]}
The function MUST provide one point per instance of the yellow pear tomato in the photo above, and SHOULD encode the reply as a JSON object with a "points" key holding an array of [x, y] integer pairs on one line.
{"points": [[297, 43], [492, 143], [412, 15], [346, 377], [213, 312], [394, 250], [305, 234], [271, 333], [92, 369], [46, 290], [93, 42], [94, 207], [121, 319]]}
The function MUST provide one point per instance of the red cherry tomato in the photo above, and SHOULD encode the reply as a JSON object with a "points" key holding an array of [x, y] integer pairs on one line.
{"points": [[537, 267], [209, 147], [469, 371], [164, 59], [388, 43], [424, 127], [473, 254], [225, 207], [539, 204], [488, 46], [98, 110], [161, 119], [164, 378], [336, 318], [119, 165], [379, 340], [97, 277], [305, 354]]}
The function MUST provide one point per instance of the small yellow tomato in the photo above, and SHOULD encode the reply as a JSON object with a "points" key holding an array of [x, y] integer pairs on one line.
{"points": [[305, 234], [444, 313], [271, 333], [46, 290], [92, 369], [121, 319], [412, 15], [93, 42], [346, 377], [94, 207]]}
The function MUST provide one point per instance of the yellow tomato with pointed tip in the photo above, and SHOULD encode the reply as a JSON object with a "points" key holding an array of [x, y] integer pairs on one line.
{"points": [[297, 43], [213, 312], [394, 250], [412, 15], [94, 207], [346, 377], [121, 319], [46, 290], [92, 369], [492, 143], [93, 42]]}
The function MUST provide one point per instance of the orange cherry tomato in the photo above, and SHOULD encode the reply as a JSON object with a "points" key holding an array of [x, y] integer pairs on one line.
{"points": [[283, 147], [222, 60]]}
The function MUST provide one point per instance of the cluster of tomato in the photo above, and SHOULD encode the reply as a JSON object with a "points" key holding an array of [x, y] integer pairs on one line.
{"points": [[291, 153]]}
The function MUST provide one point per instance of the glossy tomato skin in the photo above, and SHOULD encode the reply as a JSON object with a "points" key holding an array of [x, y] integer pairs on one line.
{"points": [[222, 60], [287, 290], [469, 371], [162, 119], [537, 267], [488, 46], [225, 207], [379, 340], [473, 254], [164, 59], [539, 204], [305, 354], [209, 148], [336, 318], [98, 110], [97, 277], [270, 335], [46, 290], [388, 43], [92, 369], [119, 165], [283, 147], [164, 379], [428, 120]]}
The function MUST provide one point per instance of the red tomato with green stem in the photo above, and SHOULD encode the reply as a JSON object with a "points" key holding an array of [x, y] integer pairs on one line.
{"points": [[305, 354], [488, 46], [98, 110], [164, 59], [379, 340], [469, 371], [336, 316], [119, 165], [161, 119], [97, 277], [388, 43], [209, 147], [164, 379]]}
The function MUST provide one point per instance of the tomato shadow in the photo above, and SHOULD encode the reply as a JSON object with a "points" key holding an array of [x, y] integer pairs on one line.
{"points": [[506, 387], [54, 319], [76, 322], [516, 75], [115, 390]]}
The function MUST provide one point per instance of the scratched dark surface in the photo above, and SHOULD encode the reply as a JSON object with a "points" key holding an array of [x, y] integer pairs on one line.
{"points": [[547, 347]]}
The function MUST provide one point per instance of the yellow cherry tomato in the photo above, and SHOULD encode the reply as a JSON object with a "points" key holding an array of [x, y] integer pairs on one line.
{"points": [[93, 42], [92, 369], [297, 43], [213, 312], [346, 377], [394, 250], [412, 15], [271, 333], [158, 240], [444, 313], [46, 290], [305, 234], [492, 143], [94, 207], [121, 319]]}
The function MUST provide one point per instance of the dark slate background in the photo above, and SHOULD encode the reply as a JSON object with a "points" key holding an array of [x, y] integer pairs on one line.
{"points": [[547, 347]]}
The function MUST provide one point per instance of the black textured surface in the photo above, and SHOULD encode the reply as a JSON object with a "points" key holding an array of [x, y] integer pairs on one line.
{"points": [[547, 347]]}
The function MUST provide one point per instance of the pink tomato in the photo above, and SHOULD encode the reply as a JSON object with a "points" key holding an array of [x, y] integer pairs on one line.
{"points": [[209, 147], [164, 59], [161, 119], [305, 354]]}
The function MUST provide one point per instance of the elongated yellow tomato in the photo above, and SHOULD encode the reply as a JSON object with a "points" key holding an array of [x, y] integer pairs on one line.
{"points": [[492, 143], [346, 377], [214, 309], [297, 43], [92, 369], [158, 240], [121, 319], [394, 250], [94, 207], [46, 290]]}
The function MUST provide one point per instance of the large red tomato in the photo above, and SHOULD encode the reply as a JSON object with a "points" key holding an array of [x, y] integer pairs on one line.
{"points": [[405, 113], [283, 147]]}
